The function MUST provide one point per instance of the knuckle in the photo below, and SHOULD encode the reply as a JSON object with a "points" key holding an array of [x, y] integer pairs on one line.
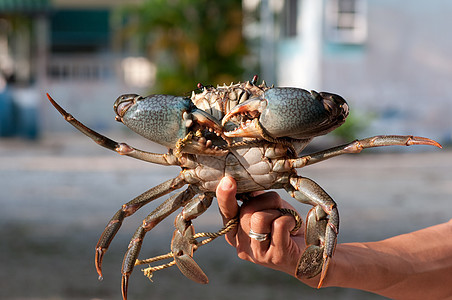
{"points": [[230, 240], [277, 257], [246, 209], [258, 218], [277, 260], [243, 255], [272, 194], [283, 223]]}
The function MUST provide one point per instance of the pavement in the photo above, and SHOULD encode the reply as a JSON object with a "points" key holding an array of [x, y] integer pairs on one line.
{"points": [[58, 193]]}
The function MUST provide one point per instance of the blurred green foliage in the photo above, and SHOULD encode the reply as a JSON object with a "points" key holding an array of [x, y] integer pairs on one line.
{"points": [[190, 41], [354, 125]]}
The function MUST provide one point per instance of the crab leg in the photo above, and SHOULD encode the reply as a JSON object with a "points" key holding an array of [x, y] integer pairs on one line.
{"points": [[358, 145], [121, 148], [161, 212], [322, 227], [128, 209], [183, 243]]}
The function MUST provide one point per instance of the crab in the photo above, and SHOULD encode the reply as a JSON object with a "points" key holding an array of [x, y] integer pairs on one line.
{"points": [[249, 131]]}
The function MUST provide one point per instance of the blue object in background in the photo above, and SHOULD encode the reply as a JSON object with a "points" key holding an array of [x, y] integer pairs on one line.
{"points": [[7, 112], [18, 113], [27, 125]]}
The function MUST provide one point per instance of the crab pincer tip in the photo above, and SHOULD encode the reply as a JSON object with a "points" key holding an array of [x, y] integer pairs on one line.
{"points": [[50, 98], [124, 286], [98, 262], [417, 140], [326, 264], [435, 143]]}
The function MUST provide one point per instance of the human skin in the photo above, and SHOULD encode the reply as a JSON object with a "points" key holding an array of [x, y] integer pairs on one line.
{"points": [[417, 265]]}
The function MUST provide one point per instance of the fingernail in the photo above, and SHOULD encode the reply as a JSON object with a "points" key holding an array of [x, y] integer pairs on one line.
{"points": [[226, 183]]}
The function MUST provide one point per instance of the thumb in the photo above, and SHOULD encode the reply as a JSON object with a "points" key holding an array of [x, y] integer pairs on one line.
{"points": [[227, 201]]}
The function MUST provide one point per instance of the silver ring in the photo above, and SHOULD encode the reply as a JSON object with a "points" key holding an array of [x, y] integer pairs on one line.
{"points": [[260, 237]]}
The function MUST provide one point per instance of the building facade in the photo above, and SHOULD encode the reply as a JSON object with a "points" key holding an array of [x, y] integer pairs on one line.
{"points": [[390, 59], [71, 50]]}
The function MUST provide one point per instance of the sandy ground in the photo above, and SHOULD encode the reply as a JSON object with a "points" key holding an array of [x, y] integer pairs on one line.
{"points": [[58, 194]]}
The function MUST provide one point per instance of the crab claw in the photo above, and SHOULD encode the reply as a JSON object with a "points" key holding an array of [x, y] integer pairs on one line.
{"points": [[168, 120], [190, 268], [183, 247], [418, 140], [288, 112]]}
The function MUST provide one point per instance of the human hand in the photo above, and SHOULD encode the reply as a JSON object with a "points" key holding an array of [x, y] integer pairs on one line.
{"points": [[392, 268], [283, 249]]}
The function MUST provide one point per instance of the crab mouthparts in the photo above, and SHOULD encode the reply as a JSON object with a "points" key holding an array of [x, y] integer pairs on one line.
{"points": [[205, 134], [246, 115], [248, 128], [204, 120]]}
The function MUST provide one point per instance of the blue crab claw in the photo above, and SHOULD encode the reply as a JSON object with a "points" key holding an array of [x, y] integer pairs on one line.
{"points": [[168, 120], [288, 112]]}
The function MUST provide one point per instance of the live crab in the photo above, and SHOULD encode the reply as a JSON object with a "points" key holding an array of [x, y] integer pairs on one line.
{"points": [[253, 133]]}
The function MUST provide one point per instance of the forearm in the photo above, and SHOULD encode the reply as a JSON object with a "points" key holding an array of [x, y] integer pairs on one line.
{"points": [[417, 265]]}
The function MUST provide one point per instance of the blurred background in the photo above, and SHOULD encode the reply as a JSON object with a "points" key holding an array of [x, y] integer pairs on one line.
{"points": [[391, 61]]}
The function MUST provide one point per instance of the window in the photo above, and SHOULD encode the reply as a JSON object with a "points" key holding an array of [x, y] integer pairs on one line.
{"points": [[346, 21], [75, 31]]}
